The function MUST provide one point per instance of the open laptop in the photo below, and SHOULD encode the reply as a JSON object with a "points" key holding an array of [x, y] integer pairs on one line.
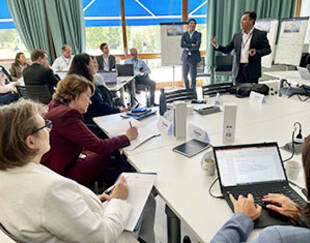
{"points": [[124, 69], [304, 73], [256, 169], [109, 77]]}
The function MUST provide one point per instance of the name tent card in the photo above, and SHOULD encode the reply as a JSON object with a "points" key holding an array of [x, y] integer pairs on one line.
{"points": [[198, 133], [257, 97], [165, 126]]}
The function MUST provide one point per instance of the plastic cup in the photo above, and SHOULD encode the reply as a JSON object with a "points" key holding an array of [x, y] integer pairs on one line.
{"points": [[292, 169]]}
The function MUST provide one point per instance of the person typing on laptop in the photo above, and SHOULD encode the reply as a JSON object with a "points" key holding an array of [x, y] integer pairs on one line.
{"points": [[241, 223]]}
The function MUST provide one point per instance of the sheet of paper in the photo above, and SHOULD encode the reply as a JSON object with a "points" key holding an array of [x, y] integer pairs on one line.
{"points": [[122, 126], [140, 186]]}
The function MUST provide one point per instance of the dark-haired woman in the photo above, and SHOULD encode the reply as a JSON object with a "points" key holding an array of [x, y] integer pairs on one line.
{"points": [[86, 66], [241, 224], [18, 66]]}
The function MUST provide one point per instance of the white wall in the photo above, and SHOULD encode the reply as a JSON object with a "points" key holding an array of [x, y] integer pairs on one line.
{"points": [[305, 11]]}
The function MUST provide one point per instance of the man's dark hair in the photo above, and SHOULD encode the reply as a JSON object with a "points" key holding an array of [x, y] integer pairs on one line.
{"points": [[251, 14], [192, 20], [37, 53], [103, 45]]}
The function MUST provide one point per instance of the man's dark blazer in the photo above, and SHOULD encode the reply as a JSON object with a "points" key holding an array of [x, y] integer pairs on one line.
{"points": [[37, 74], [260, 42], [186, 44], [111, 62]]}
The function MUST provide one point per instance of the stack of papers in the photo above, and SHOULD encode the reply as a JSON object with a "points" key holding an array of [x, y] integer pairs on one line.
{"points": [[140, 186]]}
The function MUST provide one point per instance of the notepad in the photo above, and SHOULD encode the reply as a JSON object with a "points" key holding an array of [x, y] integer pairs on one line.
{"points": [[191, 148], [145, 133], [140, 186]]}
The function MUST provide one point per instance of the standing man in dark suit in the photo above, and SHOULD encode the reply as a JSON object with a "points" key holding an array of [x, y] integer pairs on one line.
{"points": [[40, 72], [190, 43], [250, 46], [105, 61]]}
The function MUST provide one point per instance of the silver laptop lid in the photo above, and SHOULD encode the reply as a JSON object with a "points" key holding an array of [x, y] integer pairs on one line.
{"points": [[109, 77], [249, 164]]}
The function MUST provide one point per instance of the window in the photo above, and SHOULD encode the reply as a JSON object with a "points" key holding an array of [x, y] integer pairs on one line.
{"points": [[145, 38], [142, 21], [97, 35], [10, 44]]}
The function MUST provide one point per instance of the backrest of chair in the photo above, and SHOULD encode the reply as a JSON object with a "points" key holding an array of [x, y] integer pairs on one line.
{"points": [[201, 66], [223, 63], [182, 94], [213, 89], [39, 93], [22, 92]]}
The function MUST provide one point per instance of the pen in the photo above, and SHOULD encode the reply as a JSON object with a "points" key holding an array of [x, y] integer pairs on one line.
{"points": [[109, 190], [130, 124]]}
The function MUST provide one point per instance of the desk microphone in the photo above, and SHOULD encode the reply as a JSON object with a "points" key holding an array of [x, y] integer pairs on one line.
{"points": [[299, 138], [295, 147], [229, 123]]}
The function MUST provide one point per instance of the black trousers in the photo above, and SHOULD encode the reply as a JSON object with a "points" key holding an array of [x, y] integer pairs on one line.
{"points": [[189, 67], [148, 83], [8, 98], [244, 75]]}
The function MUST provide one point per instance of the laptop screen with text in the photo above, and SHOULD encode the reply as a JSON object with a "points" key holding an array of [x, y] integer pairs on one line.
{"points": [[249, 164]]}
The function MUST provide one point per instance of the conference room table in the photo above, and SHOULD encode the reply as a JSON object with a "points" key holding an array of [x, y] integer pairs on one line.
{"points": [[184, 185], [293, 77], [122, 81]]}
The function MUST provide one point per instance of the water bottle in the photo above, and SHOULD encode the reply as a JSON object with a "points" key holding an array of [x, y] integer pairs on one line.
{"points": [[162, 102]]}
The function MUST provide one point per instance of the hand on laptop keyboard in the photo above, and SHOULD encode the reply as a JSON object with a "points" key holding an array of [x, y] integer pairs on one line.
{"points": [[246, 205], [285, 206]]}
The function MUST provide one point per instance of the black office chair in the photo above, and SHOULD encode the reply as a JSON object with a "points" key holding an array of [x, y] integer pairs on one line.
{"points": [[201, 68], [38, 93], [7, 233], [213, 89], [21, 90], [223, 65], [142, 87], [181, 94]]}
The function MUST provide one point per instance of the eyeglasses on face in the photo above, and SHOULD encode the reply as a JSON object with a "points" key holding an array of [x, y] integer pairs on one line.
{"points": [[48, 125]]}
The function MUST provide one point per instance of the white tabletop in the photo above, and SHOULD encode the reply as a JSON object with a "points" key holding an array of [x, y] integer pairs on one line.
{"points": [[291, 76], [121, 82], [182, 183]]}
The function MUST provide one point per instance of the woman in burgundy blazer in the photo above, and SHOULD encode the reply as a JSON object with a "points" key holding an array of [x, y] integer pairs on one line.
{"points": [[71, 140]]}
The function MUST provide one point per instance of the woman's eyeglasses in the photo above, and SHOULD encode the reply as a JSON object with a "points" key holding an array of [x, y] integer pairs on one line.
{"points": [[48, 125]]}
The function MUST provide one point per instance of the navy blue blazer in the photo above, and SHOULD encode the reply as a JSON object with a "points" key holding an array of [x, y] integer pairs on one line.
{"points": [[98, 107], [259, 41], [187, 45]]}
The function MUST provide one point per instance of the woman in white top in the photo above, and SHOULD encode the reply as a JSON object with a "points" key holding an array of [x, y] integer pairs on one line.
{"points": [[7, 90], [38, 205]]}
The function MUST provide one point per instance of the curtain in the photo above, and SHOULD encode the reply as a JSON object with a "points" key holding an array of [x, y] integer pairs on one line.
{"points": [[224, 18], [30, 21], [66, 21]]}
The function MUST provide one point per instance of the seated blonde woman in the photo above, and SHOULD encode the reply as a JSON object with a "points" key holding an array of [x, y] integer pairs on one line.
{"points": [[39, 205]]}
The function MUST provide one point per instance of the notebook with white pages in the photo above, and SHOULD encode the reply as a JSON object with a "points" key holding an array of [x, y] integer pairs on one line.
{"points": [[139, 187], [145, 133]]}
